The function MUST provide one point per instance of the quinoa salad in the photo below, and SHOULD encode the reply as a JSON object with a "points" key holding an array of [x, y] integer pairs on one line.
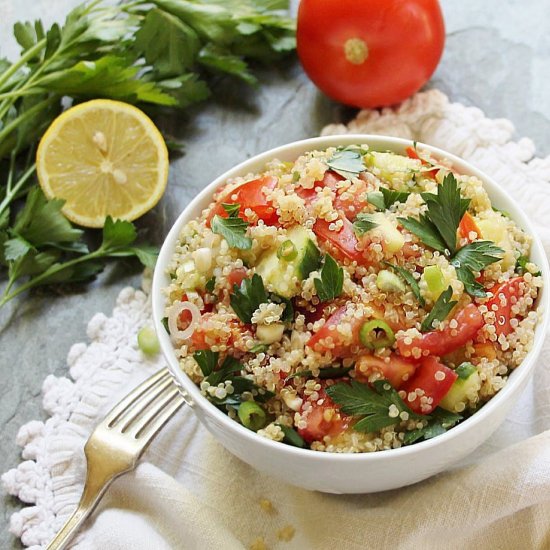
{"points": [[352, 300]]}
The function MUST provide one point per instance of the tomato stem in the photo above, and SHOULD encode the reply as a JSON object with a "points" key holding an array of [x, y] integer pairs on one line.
{"points": [[356, 50]]}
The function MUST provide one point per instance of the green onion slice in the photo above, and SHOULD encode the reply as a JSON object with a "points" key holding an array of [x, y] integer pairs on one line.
{"points": [[251, 415], [370, 334], [287, 251]]}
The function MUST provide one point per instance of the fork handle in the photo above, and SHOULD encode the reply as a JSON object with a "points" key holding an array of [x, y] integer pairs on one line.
{"points": [[93, 491]]}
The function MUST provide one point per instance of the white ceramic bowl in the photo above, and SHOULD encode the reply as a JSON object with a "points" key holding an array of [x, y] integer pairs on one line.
{"points": [[350, 473]]}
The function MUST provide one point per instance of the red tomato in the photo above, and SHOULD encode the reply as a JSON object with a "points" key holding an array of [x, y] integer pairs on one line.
{"points": [[501, 303], [396, 371], [236, 276], [440, 342], [324, 419], [370, 53], [249, 195], [202, 336], [411, 153], [468, 225], [340, 348], [344, 241], [433, 380]]}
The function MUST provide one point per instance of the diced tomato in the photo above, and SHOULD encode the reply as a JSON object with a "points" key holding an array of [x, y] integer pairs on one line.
{"points": [[487, 349], [433, 380], [344, 242], [440, 342], [324, 419], [311, 313], [250, 194], [411, 153], [468, 225], [340, 347], [396, 371], [202, 337], [504, 297], [236, 276]]}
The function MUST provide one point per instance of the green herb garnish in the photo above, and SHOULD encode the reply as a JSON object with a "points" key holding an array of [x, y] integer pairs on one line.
{"points": [[363, 223], [247, 297], [438, 230], [385, 198], [407, 276], [292, 437], [210, 285], [206, 360], [347, 162], [233, 228], [373, 405], [521, 266], [440, 310], [330, 285], [324, 373], [439, 422]]}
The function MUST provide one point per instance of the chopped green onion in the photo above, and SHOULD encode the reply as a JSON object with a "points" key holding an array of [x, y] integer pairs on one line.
{"points": [[287, 251], [371, 339], [147, 341], [251, 415], [292, 437]]}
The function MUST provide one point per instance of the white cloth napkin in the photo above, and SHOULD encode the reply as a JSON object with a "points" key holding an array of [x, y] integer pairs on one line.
{"points": [[190, 493]]}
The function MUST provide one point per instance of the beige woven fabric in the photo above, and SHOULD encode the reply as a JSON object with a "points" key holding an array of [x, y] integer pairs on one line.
{"points": [[189, 493]]}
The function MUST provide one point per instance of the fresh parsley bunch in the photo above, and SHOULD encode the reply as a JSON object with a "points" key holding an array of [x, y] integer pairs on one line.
{"points": [[161, 54]]}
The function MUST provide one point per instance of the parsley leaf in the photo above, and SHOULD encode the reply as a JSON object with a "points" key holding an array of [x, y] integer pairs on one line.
{"points": [[288, 312], [373, 405], [445, 210], [330, 285], [210, 284], [471, 286], [363, 223], [206, 360], [292, 437], [376, 198], [440, 421], [407, 276], [477, 255], [521, 266], [440, 310], [425, 230], [232, 210], [247, 297], [233, 230], [324, 373], [386, 198], [347, 163]]}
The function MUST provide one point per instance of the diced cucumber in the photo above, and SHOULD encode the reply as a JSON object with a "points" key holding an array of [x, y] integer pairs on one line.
{"points": [[467, 383], [495, 228], [276, 272], [435, 281], [188, 277], [387, 229], [388, 281], [397, 170]]}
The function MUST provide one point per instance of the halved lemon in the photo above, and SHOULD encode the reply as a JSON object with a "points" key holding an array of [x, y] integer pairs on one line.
{"points": [[104, 158]]}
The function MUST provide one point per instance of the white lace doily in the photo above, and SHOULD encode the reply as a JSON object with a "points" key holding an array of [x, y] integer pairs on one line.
{"points": [[50, 478]]}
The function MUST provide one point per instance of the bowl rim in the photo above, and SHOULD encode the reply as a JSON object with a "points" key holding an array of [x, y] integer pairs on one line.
{"points": [[375, 142]]}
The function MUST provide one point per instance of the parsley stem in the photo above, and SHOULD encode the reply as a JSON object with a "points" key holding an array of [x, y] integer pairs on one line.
{"points": [[32, 112], [27, 56], [56, 268], [12, 192]]}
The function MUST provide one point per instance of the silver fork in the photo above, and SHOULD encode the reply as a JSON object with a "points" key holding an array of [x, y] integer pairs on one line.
{"points": [[118, 442]]}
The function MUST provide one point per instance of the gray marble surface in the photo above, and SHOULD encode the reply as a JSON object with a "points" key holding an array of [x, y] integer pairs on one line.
{"points": [[497, 58]]}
